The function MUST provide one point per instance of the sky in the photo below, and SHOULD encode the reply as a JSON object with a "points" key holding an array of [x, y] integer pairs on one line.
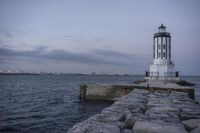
{"points": [[102, 36]]}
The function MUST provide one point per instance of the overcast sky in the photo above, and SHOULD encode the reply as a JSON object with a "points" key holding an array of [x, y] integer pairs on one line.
{"points": [[102, 36]]}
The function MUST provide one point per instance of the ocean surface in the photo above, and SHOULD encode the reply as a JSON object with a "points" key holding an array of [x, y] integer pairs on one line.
{"points": [[50, 103]]}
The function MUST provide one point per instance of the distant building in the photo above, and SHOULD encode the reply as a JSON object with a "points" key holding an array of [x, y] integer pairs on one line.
{"points": [[162, 67]]}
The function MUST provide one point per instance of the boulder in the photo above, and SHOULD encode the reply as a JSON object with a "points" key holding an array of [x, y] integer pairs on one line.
{"points": [[116, 109], [196, 130], [107, 117], [191, 124], [130, 120], [158, 102], [94, 127], [130, 105], [166, 109], [126, 131], [190, 113], [157, 127], [164, 116], [111, 115], [151, 95]]}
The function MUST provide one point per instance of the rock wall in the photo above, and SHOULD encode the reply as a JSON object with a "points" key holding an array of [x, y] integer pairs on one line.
{"points": [[142, 111]]}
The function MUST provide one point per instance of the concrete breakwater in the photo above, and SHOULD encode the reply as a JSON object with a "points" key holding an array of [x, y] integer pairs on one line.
{"points": [[113, 92], [146, 111]]}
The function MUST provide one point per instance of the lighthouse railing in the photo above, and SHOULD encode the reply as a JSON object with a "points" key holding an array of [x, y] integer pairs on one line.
{"points": [[166, 74]]}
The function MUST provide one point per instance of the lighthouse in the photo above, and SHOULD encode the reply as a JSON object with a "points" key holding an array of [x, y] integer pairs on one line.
{"points": [[162, 66]]}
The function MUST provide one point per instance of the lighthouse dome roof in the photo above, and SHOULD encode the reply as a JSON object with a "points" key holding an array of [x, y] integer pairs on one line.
{"points": [[162, 27]]}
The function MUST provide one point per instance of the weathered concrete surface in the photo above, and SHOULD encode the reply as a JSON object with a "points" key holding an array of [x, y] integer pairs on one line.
{"points": [[112, 92], [145, 111], [103, 91]]}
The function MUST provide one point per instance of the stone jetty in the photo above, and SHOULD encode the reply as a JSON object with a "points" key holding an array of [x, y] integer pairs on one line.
{"points": [[146, 111]]}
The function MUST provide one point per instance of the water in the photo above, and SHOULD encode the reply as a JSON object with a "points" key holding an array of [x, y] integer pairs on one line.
{"points": [[50, 103]]}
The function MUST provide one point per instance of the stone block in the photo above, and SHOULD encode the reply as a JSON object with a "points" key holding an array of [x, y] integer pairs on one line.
{"points": [[94, 127], [190, 113], [126, 131], [157, 127], [191, 124], [196, 130], [130, 120]]}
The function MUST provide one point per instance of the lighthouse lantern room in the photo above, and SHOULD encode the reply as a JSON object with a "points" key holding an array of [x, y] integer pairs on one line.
{"points": [[162, 66]]}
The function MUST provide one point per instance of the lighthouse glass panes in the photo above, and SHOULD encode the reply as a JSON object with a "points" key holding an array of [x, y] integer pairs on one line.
{"points": [[161, 41], [162, 65]]}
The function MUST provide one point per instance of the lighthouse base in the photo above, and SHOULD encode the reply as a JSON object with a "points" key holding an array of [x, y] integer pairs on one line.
{"points": [[162, 71]]}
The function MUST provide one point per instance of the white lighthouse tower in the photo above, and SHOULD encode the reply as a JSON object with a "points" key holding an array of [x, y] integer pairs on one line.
{"points": [[162, 67]]}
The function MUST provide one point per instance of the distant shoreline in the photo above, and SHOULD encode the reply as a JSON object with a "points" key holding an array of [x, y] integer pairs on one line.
{"points": [[81, 74], [19, 74], [67, 74]]}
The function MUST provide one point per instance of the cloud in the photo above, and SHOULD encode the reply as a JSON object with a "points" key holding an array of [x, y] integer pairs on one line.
{"points": [[95, 57], [110, 53], [82, 39], [74, 38], [5, 33]]}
